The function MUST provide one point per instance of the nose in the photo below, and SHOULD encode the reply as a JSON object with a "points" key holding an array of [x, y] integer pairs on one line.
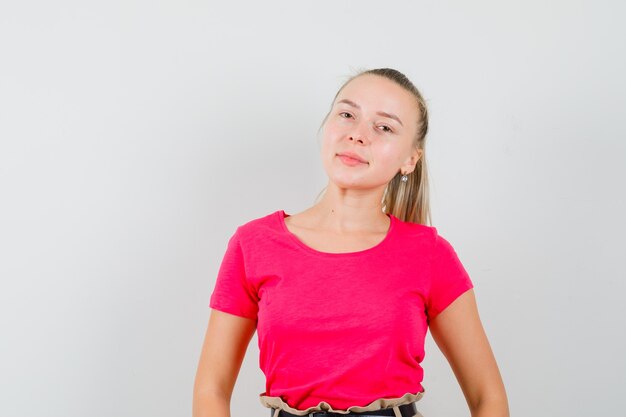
{"points": [[358, 136]]}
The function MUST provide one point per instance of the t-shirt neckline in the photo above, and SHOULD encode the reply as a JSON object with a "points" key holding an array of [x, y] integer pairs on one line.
{"points": [[280, 214]]}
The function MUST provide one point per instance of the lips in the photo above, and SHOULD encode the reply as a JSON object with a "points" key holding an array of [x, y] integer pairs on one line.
{"points": [[353, 156]]}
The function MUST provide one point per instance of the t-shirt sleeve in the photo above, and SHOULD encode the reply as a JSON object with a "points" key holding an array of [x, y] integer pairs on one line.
{"points": [[232, 292], [449, 277]]}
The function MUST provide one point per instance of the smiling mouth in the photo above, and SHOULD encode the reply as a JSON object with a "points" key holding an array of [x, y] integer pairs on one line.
{"points": [[351, 161]]}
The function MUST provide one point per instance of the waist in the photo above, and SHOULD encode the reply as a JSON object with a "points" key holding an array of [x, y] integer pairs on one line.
{"points": [[404, 410], [403, 406]]}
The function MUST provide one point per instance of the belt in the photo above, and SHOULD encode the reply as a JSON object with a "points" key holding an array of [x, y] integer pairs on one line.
{"points": [[406, 410]]}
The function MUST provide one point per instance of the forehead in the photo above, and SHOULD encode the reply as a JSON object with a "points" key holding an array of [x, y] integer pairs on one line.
{"points": [[377, 93]]}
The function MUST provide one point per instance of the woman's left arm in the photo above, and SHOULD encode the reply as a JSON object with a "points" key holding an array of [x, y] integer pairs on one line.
{"points": [[459, 334]]}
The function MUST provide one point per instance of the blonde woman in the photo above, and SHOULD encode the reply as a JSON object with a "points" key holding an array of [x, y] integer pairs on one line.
{"points": [[342, 294]]}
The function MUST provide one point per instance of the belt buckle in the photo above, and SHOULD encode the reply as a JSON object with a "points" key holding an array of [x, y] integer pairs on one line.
{"points": [[318, 413]]}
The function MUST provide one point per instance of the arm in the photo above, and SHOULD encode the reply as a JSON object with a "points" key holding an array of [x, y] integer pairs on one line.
{"points": [[459, 334], [225, 344]]}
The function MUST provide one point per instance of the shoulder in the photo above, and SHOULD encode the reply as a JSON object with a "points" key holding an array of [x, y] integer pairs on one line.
{"points": [[410, 231], [258, 227], [426, 237]]}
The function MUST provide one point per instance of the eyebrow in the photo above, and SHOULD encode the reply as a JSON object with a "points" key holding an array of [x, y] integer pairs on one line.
{"points": [[381, 113]]}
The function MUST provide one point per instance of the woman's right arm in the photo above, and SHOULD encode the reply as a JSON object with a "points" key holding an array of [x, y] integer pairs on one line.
{"points": [[225, 345]]}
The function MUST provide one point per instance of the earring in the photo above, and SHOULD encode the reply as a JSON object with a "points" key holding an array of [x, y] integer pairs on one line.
{"points": [[404, 178]]}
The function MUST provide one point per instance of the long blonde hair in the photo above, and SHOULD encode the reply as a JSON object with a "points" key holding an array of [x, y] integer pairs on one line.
{"points": [[408, 201]]}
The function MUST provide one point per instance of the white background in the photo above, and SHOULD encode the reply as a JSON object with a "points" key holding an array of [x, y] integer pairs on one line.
{"points": [[136, 135]]}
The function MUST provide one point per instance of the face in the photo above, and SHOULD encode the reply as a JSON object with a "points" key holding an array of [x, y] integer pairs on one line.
{"points": [[375, 119]]}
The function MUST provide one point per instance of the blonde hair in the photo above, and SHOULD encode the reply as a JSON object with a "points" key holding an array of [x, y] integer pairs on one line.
{"points": [[408, 201]]}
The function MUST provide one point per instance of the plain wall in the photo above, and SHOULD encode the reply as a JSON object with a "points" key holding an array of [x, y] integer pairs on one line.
{"points": [[135, 136]]}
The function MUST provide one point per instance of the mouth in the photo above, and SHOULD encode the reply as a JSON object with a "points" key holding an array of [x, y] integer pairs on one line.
{"points": [[352, 158], [351, 161]]}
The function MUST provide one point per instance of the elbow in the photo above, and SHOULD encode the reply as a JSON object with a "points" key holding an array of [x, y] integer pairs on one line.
{"points": [[210, 403], [494, 406]]}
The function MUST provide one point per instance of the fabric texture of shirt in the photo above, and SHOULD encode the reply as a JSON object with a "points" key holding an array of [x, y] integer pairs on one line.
{"points": [[341, 328]]}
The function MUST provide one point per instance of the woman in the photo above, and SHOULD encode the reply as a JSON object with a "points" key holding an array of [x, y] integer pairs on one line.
{"points": [[343, 293]]}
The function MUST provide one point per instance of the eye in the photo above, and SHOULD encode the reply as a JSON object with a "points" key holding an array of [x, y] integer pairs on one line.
{"points": [[386, 128]]}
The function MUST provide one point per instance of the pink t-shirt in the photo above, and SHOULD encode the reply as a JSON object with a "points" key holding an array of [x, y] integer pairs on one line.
{"points": [[343, 328]]}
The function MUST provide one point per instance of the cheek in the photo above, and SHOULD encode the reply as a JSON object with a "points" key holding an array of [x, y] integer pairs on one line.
{"points": [[331, 130], [386, 153], [329, 137], [387, 159]]}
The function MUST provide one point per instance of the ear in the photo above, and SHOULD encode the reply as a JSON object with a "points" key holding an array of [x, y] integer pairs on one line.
{"points": [[409, 165]]}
